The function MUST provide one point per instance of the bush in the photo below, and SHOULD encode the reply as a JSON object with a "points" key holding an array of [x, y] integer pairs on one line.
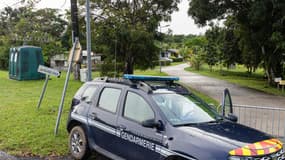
{"points": [[196, 61], [177, 60], [163, 63], [108, 69], [4, 58]]}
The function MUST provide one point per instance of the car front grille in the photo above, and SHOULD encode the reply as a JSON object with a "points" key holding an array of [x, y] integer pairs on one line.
{"points": [[280, 155]]}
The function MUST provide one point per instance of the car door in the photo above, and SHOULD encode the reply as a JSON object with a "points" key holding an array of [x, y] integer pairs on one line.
{"points": [[102, 118], [138, 142]]}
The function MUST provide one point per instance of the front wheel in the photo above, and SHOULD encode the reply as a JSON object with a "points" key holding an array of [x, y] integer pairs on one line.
{"points": [[78, 144]]}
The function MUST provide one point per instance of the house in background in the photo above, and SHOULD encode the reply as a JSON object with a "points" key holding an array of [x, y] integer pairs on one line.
{"points": [[95, 58], [169, 54], [59, 62]]}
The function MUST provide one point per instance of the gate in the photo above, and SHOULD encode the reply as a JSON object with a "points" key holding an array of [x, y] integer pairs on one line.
{"points": [[267, 119]]}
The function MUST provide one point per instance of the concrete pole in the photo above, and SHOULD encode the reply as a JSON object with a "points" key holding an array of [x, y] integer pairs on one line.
{"points": [[88, 41], [65, 87], [43, 91], [160, 50]]}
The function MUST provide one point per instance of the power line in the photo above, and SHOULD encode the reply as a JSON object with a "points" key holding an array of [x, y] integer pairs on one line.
{"points": [[63, 4]]}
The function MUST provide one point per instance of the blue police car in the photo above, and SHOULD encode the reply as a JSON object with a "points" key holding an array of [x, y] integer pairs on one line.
{"points": [[153, 118]]}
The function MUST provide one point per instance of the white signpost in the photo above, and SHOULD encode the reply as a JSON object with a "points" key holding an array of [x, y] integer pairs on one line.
{"points": [[48, 72]]}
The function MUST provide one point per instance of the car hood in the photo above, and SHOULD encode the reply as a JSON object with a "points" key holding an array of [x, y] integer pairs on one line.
{"points": [[232, 133], [218, 138]]}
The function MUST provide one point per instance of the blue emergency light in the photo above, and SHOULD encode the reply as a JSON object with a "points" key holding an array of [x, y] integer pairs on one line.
{"points": [[150, 78]]}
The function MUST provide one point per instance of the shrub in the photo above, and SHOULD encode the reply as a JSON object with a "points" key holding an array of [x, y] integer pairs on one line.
{"points": [[108, 69], [4, 58], [196, 61], [163, 63], [177, 60]]}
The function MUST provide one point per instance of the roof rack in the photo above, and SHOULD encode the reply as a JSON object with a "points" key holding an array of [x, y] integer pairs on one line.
{"points": [[134, 84], [149, 78], [148, 83]]}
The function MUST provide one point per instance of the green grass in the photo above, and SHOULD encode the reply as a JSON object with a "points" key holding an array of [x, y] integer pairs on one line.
{"points": [[204, 97], [25, 130], [239, 76], [176, 63], [154, 72], [28, 131]]}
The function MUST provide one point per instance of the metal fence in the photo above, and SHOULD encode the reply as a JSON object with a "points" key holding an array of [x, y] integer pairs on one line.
{"points": [[267, 119]]}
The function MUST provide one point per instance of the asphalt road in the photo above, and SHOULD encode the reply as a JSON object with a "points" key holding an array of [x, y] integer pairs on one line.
{"points": [[214, 88], [5, 156]]}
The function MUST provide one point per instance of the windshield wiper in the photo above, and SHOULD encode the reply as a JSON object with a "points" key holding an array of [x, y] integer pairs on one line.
{"points": [[185, 124], [217, 120]]}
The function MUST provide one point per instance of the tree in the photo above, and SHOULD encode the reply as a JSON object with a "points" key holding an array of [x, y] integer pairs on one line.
{"points": [[213, 48], [24, 25], [197, 58], [196, 45], [257, 22], [230, 50], [130, 28]]}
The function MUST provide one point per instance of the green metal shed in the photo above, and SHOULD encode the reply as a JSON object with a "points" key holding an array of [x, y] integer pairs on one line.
{"points": [[24, 62]]}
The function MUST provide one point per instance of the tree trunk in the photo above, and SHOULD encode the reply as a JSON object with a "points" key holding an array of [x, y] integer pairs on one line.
{"points": [[76, 71], [267, 67], [129, 66]]}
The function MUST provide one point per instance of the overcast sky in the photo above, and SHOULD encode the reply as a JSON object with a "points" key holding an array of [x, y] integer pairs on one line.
{"points": [[181, 23]]}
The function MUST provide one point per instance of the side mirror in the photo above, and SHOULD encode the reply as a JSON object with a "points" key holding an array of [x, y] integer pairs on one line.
{"points": [[227, 105], [232, 117], [151, 123]]}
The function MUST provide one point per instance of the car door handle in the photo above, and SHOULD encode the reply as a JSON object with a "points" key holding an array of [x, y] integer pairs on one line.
{"points": [[92, 116], [122, 127]]}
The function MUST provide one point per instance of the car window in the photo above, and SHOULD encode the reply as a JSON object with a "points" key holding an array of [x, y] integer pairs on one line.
{"points": [[109, 99], [136, 108], [88, 93], [181, 110]]}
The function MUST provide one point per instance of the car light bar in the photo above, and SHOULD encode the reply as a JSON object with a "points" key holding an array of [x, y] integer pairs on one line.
{"points": [[150, 78]]}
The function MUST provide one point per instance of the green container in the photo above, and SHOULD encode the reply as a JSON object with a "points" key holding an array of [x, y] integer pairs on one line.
{"points": [[24, 62]]}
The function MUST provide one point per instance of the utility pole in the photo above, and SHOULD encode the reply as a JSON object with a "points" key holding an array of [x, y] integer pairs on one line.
{"points": [[88, 41], [75, 35], [115, 75], [161, 49], [74, 20]]}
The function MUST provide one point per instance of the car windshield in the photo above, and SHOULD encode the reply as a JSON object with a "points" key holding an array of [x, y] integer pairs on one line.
{"points": [[184, 110]]}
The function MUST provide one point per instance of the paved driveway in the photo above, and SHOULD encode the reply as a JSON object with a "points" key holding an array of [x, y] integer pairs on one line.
{"points": [[214, 88]]}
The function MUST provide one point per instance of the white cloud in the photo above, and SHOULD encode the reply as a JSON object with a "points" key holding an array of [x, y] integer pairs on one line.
{"points": [[181, 23]]}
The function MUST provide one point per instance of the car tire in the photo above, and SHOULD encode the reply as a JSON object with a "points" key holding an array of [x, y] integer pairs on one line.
{"points": [[78, 144]]}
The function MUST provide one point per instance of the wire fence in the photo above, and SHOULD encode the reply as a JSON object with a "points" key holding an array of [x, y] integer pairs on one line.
{"points": [[267, 119]]}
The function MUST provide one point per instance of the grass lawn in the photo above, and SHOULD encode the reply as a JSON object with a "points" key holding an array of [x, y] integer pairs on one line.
{"points": [[26, 131], [204, 97], [154, 72], [176, 63], [239, 76]]}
